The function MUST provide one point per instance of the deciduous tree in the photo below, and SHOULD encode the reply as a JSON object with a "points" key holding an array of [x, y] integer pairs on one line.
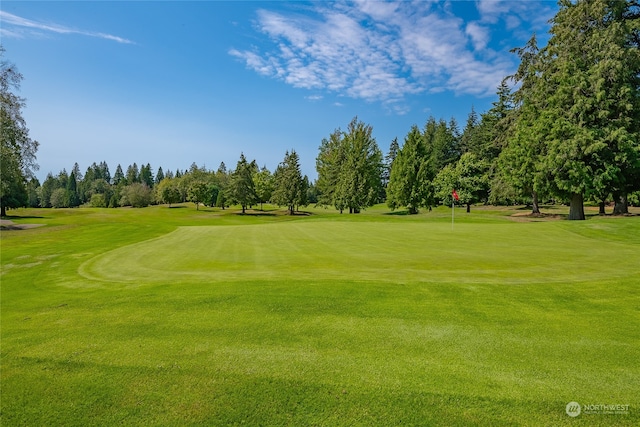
{"points": [[17, 149]]}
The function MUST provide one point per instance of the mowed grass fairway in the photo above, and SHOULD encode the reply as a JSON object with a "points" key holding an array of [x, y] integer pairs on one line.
{"points": [[179, 317]]}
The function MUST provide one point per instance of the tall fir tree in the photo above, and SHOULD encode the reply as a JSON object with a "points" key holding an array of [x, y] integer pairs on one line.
{"points": [[289, 189], [241, 188], [410, 181], [586, 101]]}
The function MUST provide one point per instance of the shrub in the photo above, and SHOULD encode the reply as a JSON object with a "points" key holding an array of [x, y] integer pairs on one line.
{"points": [[59, 198], [98, 201]]}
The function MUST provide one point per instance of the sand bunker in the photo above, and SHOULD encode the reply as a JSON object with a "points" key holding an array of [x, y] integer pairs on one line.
{"points": [[6, 224]]}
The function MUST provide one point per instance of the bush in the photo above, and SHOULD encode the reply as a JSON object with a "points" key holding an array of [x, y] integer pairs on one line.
{"points": [[59, 198], [137, 195], [98, 201]]}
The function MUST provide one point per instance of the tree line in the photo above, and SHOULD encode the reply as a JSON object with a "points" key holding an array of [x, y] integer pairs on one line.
{"points": [[565, 127], [247, 185]]}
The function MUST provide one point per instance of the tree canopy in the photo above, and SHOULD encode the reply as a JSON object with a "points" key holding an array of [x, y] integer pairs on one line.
{"points": [[17, 149], [564, 127], [350, 168]]}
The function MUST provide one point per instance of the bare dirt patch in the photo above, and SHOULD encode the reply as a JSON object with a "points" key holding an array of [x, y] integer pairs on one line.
{"points": [[530, 217], [6, 224]]}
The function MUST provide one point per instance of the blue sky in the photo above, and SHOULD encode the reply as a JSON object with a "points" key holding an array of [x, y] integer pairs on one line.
{"points": [[172, 83]]}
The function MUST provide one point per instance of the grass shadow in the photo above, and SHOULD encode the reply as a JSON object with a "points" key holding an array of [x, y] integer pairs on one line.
{"points": [[398, 213], [12, 217], [256, 214]]}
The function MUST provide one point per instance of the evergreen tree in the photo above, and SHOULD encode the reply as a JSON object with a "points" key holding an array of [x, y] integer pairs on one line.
{"points": [[441, 144], [289, 189], [241, 188], [221, 200], [469, 139], [159, 175], [586, 101], [118, 177], [394, 147], [46, 190], [519, 161], [410, 180], [222, 179], [104, 173], [350, 168], [146, 175], [329, 163], [33, 193], [72, 190], [468, 177], [133, 174]]}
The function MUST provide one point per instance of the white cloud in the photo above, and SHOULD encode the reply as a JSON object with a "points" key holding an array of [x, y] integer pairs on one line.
{"points": [[18, 24], [383, 51], [479, 35], [514, 13]]}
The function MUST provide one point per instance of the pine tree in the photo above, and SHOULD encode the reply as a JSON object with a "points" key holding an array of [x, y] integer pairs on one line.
{"points": [[585, 102], [118, 177], [241, 188], [159, 175], [410, 180], [350, 168], [329, 162], [289, 189], [146, 175], [72, 190]]}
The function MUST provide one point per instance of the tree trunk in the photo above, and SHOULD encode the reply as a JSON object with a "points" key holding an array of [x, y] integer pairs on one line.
{"points": [[601, 210], [413, 210], [3, 210], [536, 206], [468, 207], [243, 209], [576, 208], [621, 207]]}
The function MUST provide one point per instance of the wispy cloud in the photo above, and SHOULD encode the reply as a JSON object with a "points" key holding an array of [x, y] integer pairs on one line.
{"points": [[383, 51], [16, 26]]}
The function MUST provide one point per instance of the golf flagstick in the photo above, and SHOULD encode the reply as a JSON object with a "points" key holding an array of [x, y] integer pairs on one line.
{"points": [[454, 197], [452, 212]]}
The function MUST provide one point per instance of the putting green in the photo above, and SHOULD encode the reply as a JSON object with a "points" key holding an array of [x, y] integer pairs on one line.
{"points": [[390, 252]]}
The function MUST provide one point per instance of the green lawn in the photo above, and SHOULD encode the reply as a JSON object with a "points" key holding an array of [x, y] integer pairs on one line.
{"points": [[163, 316]]}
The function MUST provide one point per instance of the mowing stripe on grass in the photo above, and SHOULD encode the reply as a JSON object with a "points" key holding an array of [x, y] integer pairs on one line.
{"points": [[398, 253]]}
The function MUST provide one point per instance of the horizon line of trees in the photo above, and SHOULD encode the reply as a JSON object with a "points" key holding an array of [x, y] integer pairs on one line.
{"points": [[247, 185], [565, 127]]}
